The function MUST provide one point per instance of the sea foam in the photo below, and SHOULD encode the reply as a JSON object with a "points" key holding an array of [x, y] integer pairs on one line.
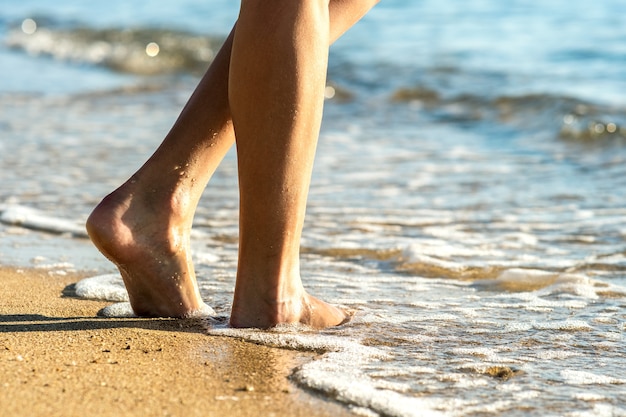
{"points": [[110, 287], [34, 219], [339, 372], [573, 377], [546, 283]]}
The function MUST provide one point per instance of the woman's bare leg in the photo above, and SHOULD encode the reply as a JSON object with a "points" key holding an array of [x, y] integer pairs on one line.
{"points": [[276, 88], [143, 226]]}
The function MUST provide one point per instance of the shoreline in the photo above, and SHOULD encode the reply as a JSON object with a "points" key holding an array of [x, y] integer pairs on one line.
{"points": [[58, 358]]}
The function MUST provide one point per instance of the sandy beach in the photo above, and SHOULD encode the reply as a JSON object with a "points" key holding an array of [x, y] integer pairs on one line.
{"points": [[58, 358]]}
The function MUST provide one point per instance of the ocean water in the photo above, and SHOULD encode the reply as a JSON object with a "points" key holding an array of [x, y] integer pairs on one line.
{"points": [[468, 198]]}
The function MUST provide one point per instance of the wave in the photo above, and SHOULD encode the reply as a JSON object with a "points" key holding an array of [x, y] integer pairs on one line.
{"points": [[161, 51], [144, 51], [571, 118]]}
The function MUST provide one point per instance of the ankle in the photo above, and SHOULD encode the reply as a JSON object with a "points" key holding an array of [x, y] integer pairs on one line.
{"points": [[267, 307], [302, 309], [130, 215], [265, 314]]}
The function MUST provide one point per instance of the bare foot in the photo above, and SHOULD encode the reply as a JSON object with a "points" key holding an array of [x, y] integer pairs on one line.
{"points": [[149, 243], [305, 309]]}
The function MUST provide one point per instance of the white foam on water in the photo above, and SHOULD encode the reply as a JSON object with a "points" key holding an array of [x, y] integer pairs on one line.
{"points": [[338, 373], [34, 219], [109, 287], [118, 310], [518, 327], [435, 317], [465, 382], [556, 354], [338, 376], [293, 337], [404, 371], [612, 336], [489, 354], [426, 305], [606, 318], [575, 284], [587, 378], [400, 387], [516, 279], [600, 410], [363, 412], [524, 395], [125, 310], [539, 309], [588, 396], [378, 318], [496, 407], [537, 284], [533, 276], [54, 265], [565, 325], [440, 249]]}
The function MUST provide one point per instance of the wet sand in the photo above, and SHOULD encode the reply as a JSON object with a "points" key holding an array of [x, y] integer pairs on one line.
{"points": [[58, 358]]}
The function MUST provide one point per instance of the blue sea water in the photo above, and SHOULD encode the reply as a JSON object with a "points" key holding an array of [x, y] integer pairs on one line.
{"points": [[468, 199]]}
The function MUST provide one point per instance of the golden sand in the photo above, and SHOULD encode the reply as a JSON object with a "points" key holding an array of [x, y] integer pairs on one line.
{"points": [[58, 359]]}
